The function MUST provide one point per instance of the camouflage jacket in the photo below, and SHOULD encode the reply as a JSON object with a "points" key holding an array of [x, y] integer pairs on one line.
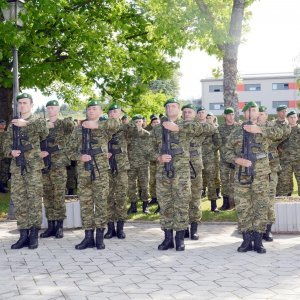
{"points": [[211, 145], [34, 132], [233, 147], [136, 148], [3, 135], [225, 130]]}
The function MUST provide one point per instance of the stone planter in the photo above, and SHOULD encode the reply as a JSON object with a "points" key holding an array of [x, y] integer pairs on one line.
{"points": [[287, 210], [73, 218]]}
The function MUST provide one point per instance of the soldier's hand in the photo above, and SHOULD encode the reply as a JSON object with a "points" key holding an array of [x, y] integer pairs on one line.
{"points": [[90, 124], [165, 158], [15, 153], [85, 158], [252, 128], [19, 122], [243, 162], [171, 126], [44, 154], [109, 155]]}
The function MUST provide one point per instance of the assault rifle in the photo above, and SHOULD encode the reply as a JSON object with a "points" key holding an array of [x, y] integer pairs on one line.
{"points": [[45, 147], [112, 160]]}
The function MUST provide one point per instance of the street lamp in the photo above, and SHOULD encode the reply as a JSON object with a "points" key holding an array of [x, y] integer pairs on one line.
{"points": [[11, 13]]}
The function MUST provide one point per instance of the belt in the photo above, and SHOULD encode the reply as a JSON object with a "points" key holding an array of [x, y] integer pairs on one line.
{"points": [[194, 153], [261, 155]]}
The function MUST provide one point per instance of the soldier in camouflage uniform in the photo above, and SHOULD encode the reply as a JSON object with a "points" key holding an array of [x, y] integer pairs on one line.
{"points": [[274, 166], [173, 183], [118, 178], [290, 158], [55, 172], [210, 144], [139, 166], [93, 179], [196, 166], [26, 182], [4, 161], [251, 193], [227, 169]]}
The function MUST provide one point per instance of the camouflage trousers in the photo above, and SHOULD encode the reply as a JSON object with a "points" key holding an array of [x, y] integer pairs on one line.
{"points": [[26, 194], [138, 177], [93, 199], [152, 180], [174, 197], [227, 179], [195, 211], [252, 203], [209, 176], [285, 178], [54, 183], [4, 169], [273, 184], [118, 186]]}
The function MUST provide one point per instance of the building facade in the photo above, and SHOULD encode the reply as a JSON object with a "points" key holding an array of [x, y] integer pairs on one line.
{"points": [[269, 90]]}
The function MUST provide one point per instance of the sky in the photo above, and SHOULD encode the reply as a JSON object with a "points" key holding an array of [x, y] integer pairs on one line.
{"points": [[271, 46]]}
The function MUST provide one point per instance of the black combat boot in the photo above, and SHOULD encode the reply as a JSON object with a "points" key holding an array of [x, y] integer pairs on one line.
{"points": [[213, 206], [153, 201], [23, 240], [218, 193], [289, 194], [99, 239], [158, 209], [33, 238], [247, 243], [145, 207], [187, 233], [132, 209], [50, 231], [59, 234], [111, 231], [258, 246], [120, 230], [267, 236], [194, 229], [179, 240], [168, 242], [225, 205], [88, 241]]}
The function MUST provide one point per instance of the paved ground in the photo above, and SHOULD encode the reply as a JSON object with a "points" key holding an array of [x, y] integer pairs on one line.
{"points": [[210, 268]]}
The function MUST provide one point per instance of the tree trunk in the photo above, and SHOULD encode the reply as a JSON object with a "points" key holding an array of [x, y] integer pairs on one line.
{"points": [[6, 95], [231, 56]]}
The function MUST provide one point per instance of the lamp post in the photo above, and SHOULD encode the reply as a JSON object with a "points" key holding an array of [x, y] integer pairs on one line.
{"points": [[11, 14]]}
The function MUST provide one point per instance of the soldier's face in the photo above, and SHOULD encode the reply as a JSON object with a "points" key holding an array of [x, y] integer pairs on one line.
{"points": [[254, 114], [25, 105], [94, 112], [172, 109], [155, 122], [2, 126], [53, 111], [262, 118], [293, 120], [188, 114], [282, 114], [229, 119], [201, 115], [125, 121], [114, 113], [139, 123]]}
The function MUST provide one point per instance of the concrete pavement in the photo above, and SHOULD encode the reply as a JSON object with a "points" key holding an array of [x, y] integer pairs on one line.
{"points": [[133, 268]]}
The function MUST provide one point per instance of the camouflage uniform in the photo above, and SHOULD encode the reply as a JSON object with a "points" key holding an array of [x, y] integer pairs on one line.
{"points": [[4, 163], [290, 162]]}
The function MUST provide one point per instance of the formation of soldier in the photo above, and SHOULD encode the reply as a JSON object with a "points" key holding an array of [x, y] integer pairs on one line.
{"points": [[119, 159]]}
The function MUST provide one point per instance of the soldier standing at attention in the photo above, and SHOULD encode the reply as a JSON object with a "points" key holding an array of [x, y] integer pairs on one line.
{"points": [[4, 161], [139, 166], [55, 172], [93, 180], [251, 189], [227, 169], [26, 181], [169, 146]]}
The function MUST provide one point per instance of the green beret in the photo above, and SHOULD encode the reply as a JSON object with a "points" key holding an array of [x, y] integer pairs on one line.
{"points": [[228, 110], [281, 107], [114, 106], [103, 117], [172, 100], [200, 108], [124, 117], [189, 105], [248, 105], [210, 114], [24, 95], [290, 113], [52, 103], [262, 108], [137, 117], [93, 102]]}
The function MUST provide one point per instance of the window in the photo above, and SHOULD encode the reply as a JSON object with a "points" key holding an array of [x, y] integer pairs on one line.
{"points": [[216, 106], [216, 88], [277, 103], [280, 86], [252, 87]]}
